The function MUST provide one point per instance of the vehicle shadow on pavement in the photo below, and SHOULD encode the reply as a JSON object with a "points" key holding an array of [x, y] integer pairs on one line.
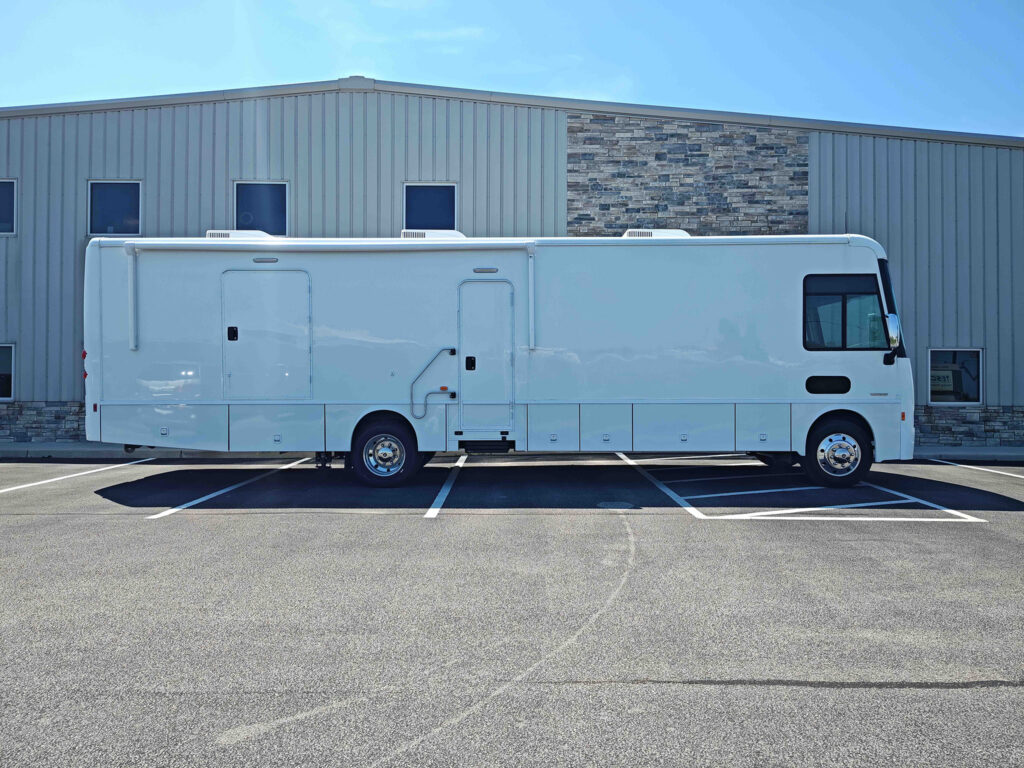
{"points": [[535, 487], [293, 489]]}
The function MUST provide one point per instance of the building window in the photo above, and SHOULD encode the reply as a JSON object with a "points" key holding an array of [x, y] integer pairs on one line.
{"points": [[7, 206], [954, 376], [430, 206], [843, 312], [6, 371], [262, 205], [114, 208]]}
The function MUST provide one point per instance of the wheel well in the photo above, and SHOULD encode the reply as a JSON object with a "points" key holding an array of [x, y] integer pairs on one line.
{"points": [[374, 416], [851, 416]]}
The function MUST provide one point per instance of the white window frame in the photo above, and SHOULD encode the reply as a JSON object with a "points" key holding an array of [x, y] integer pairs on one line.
{"points": [[14, 221], [14, 370], [431, 184], [88, 208], [981, 378], [287, 201]]}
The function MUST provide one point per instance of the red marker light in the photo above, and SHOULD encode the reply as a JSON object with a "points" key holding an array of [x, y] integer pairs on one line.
{"points": [[85, 374], [83, 354], [444, 389], [903, 415], [94, 408]]}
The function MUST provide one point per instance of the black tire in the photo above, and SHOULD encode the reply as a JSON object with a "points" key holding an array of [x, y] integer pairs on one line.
{"points": [[375, 444], [825, 468]]}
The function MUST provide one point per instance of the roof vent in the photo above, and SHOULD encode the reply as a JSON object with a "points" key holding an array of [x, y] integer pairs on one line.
{"points": [[246, 234], [657, 234], [432, 234]]}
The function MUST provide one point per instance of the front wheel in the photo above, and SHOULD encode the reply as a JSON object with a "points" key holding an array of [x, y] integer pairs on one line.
{"points": [[838, 454], [384, 453]]}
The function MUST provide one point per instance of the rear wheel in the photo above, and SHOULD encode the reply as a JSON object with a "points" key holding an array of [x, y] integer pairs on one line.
{"points": [[838, 453], [384, 453]]}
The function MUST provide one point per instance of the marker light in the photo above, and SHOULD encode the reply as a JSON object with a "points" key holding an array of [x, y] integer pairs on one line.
{"points": [[903, 415]]}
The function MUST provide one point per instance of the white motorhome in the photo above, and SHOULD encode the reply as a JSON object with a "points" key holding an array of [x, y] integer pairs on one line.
{"points": [[384, 351]]}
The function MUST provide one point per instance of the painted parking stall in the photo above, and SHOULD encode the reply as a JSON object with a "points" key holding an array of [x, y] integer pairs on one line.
{"points": [[713, 493]]}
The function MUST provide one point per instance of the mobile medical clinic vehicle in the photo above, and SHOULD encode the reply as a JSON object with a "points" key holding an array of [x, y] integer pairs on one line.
{"points": [[388, 350]]}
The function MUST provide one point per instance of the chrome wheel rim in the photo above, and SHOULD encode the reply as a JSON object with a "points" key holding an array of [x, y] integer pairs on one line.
{"points": [[839, 454], [384, 455]]}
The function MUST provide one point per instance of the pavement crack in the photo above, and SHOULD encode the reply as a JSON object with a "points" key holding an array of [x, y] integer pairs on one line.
{"points": [[518, 679], [941, 685]]}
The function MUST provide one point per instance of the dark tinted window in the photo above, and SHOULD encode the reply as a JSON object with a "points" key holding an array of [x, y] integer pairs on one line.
{"points": [[430, 207], [843, 312], [114, 208], [955, 376], [262, 206], [6, 207], [6, 371]]}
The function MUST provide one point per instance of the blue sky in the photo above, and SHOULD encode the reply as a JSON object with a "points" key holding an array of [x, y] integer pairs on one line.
{"points": [[950, 65]]}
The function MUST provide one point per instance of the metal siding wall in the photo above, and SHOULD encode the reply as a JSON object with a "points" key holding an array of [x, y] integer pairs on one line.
{"points": [[345, 155], [951, 218]]}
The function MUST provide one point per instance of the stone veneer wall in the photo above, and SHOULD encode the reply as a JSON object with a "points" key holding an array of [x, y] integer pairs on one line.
{"points": [[707, 178], [969, 425], [42, 421]]}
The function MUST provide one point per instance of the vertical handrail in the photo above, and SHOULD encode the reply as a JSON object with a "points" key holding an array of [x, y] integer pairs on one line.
{"points": [[412, 386]]}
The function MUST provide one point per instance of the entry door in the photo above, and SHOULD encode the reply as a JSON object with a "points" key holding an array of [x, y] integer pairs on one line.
{"points": [[266, 334], [485, 355]]}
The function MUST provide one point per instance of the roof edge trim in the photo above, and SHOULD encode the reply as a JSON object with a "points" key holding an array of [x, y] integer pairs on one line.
{"points": [[360, 84]]}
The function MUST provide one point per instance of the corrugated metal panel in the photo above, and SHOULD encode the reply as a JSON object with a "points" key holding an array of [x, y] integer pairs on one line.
{"points": [[345, 156], [951, 218]]}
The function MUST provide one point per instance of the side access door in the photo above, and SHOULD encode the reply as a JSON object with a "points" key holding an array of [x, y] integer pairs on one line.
{"points": [[266, 334], [486, 343]]}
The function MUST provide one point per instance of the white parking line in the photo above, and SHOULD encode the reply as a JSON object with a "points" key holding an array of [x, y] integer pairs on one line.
{"points": [[730, 464], [222, 491], [761, 490], [980, 469], [435, 508], [773, 512], [76, 474], [797, 514], [939, 507], [729, 477], [664, 488]]}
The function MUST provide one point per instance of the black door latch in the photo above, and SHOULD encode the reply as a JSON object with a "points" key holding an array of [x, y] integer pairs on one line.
{"points": [[470, 363], [232, 333]]}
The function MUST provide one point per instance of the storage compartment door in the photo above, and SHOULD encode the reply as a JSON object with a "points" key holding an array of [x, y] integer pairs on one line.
{"points": [[553, 427], [664, 427], [266, 334], [606, 427], [284, 427], [762, 427]]}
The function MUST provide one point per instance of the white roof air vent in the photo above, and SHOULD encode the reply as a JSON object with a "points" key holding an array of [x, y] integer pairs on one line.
{"points": [[432, 234], [247, 234], [657, 234]]}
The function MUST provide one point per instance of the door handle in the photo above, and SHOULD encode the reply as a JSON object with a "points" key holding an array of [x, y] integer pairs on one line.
{"points": [[470, 363], [232, 333]]}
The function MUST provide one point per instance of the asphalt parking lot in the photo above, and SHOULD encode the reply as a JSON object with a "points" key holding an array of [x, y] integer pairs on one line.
{"points": [[585, 610]]}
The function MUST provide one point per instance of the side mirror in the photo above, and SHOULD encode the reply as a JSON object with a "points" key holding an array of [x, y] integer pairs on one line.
{"points": [[892, 325]]}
